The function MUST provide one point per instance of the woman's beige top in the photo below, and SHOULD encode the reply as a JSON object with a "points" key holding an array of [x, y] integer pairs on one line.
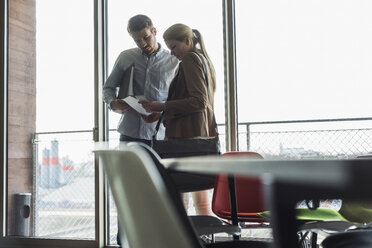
{"points": [[189, 108]]}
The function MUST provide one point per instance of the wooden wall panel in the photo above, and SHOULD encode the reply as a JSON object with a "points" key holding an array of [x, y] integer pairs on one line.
{"points": [[21, 99]]}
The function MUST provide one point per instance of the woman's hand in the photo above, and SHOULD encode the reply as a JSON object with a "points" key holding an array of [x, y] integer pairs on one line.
{"points": [[153, 107], [151, 118]]}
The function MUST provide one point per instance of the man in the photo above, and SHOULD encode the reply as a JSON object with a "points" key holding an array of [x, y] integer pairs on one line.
{"points": [[154, 68]]}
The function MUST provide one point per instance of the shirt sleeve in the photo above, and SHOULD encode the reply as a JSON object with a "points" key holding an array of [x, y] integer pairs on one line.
{"points": [[113, 81], [196, 86]]}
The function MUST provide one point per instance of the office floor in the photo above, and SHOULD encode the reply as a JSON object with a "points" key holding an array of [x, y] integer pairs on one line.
{"points": [[258, 233], [266, 233]]}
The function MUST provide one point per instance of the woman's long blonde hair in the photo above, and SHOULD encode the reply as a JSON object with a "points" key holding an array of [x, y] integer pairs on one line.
{"points": [[181, 32]]}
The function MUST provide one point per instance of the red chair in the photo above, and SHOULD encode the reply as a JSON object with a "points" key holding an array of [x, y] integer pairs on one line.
{"points": [[249, 195]]}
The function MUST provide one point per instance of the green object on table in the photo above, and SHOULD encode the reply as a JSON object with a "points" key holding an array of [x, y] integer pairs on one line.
{"points": [[325, 214], [321, 214], [359, 212]]}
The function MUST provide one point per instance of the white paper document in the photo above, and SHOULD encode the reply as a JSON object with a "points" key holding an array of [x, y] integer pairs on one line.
{"points": [[133, 102]]}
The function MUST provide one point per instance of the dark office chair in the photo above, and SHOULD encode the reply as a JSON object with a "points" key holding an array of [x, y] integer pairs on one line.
{"points": [[349, 239], [204, 225], [359, 235], [149, 208], [358, 212]]}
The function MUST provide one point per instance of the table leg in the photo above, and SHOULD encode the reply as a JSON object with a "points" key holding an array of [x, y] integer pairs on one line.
{"points": [[282, 214], [233, 204]]}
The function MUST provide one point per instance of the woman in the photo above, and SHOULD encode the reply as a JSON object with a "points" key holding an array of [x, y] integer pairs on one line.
{"points": [[189, 107]]}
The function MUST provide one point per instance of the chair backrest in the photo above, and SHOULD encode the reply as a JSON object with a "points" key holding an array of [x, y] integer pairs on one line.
{"points": [[146, 210], [171, 188], [249, 194]]}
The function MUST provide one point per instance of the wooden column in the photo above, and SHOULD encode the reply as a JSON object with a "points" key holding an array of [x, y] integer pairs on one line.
{"points": [[21, 100]]}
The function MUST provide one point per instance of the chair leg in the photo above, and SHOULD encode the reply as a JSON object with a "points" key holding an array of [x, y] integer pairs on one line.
{"points": [[206, 239], [314, 240], [304, 239], [233, 204]]}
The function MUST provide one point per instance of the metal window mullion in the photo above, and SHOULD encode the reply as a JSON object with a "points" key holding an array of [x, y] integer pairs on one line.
{"points": [[230, 75], [100, 132], [248, 130], [3, 118]]}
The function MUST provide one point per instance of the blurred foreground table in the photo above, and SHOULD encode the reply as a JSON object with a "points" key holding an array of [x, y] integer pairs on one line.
{"points": [[288, 182]]}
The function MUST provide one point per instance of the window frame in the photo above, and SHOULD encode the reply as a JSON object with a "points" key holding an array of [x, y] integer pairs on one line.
{"points": [[3, 105]]}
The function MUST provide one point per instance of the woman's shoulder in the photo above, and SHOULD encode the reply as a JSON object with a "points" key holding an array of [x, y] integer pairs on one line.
{"points": [[191, 57]]}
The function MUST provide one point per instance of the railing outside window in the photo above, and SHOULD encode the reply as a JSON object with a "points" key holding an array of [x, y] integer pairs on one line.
{"points": [[308, 139], [63, 196]]}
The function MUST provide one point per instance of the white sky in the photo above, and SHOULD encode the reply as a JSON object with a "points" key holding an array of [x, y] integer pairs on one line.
{"points": [[296, 59], [304, 59]]}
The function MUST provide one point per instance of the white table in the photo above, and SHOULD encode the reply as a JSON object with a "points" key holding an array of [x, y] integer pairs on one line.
{"points": [[288, 182]]}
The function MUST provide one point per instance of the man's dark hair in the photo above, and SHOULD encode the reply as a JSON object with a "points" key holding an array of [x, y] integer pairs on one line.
{"points": [[139, 22]]}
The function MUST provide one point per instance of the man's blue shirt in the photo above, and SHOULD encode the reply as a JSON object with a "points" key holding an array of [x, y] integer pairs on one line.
{"points": [[152, 77]]}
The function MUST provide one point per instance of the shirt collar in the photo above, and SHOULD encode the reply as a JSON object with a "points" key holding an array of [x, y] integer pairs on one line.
{"points": [[160, 51]]}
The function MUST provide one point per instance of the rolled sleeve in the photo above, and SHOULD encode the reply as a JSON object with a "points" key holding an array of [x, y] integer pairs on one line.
{"points": [[112, 82]]}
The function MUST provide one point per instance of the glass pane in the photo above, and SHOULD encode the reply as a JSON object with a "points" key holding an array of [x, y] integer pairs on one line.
{"points": [[51, 110], [304, 60], [164, 14]]}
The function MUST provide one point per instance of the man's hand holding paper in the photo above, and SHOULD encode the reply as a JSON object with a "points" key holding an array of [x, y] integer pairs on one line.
{"points": [[134, 103], [119, 106]]}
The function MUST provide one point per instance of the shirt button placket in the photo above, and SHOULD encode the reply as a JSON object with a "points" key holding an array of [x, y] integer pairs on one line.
{"points": [[148, 87]]}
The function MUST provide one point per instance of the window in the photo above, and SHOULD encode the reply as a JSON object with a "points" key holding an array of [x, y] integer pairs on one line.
{"points": [[303, 60], [50, 119]]}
